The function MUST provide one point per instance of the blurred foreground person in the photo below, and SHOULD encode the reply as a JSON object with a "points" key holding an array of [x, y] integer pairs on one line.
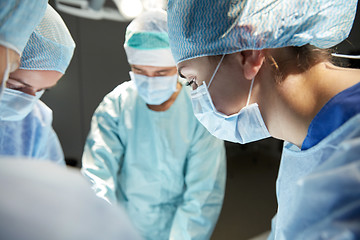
{"points": [[25, 121], [42, 201], [18, 20]]}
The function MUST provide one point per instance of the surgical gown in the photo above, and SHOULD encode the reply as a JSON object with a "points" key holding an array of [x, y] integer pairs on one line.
{"points": [[318, 189], [163, 167], [32, 137]]}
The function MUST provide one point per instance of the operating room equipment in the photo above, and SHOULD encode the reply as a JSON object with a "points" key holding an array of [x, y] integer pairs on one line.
{"points": [[120, 10]]}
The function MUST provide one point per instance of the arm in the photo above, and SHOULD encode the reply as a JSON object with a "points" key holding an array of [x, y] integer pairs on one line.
{"points": [[103, 150], [205, 176], [51, 149]]}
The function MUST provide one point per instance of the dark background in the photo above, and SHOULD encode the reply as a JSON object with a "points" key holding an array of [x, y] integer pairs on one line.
{"points": [[99, 64]]}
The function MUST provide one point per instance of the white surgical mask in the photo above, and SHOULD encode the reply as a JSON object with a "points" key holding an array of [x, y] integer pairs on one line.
{"points": [[243, 127], [16, 105], [154, 90]]}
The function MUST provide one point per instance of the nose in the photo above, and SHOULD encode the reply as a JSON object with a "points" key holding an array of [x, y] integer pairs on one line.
{"points": [[30, 91], [151, 74]]}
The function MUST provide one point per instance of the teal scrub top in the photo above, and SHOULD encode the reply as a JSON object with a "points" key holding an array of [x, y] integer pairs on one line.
{"points": [[165, 168]]}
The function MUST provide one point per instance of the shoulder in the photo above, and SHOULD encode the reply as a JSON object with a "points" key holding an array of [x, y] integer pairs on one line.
{"points": [[122, 91], [119, 98], [41, 114]]}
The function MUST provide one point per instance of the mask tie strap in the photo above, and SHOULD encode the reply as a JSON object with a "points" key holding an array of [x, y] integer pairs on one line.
{"points": [[216, 69], [251, 87]]}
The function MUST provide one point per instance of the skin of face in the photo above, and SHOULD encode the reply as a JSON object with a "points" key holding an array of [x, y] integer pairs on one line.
{"points": [[152, 71], [32, 81], [229, 88], [14, 61], [287, 107]]}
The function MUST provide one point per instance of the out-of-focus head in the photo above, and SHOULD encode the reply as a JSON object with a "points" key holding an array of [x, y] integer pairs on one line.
{"points": [[43, 62], [18, 18], [214, 27], [46, 56], [50, 46], [147, 40]]}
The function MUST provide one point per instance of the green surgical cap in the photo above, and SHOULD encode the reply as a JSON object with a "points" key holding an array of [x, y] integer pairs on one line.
{"points": [[147, 40]]}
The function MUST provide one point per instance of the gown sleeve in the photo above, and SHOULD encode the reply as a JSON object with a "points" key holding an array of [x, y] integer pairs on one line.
{"points": [[329, 198], [103, 150], [205, 176]]}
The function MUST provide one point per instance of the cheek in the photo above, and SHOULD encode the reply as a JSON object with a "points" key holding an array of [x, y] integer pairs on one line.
{"points": [[226, 93]]}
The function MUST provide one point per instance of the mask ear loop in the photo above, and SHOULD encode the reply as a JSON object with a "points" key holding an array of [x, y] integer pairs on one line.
{"points": [[216, 69], [7, 70], [251, 87]]}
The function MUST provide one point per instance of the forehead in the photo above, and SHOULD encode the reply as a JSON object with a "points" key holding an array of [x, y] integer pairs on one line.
{"points": [[205, 63], [36, 78], [199, 60]]}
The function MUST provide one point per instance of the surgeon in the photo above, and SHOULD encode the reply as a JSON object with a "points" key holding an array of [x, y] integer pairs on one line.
{"points": [[262, 68], [17, 21], [25, 121], [146, 150]]}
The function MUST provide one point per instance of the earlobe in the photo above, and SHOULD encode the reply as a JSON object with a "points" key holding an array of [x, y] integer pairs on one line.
{"points": [[252, 62]]}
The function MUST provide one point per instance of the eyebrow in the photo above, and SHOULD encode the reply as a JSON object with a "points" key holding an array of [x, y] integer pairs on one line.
{"points": [[136, 68], [179, 72], [163, 71], [20, 81]]}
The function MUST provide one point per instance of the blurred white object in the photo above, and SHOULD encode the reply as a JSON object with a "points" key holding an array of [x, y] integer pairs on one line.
{"points": [[97, 9], [345, 56], [129, 8], [41, 200]]}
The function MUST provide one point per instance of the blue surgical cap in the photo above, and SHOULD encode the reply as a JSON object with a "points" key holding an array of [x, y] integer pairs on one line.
{"points": [[214, 27], [18, 18], [147, 40], [50, 46]]}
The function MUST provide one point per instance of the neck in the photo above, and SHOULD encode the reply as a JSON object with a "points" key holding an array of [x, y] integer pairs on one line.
{"points": [[168, 103], [289, 107]]}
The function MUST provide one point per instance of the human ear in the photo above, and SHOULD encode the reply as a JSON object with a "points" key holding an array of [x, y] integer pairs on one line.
{"points": [[252, 61]]}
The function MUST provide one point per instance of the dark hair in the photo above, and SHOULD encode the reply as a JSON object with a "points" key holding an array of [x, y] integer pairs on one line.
{"points": [[295, 60]]}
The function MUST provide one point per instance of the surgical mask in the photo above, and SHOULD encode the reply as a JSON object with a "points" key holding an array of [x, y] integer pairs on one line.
{"points": [[243, 127], [16, 105], [154, 90]]}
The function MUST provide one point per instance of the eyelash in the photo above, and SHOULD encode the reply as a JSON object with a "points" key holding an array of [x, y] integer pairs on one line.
{"points": [[192, 81]]}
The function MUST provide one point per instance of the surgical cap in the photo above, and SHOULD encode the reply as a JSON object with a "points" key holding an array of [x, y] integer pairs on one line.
{"points": [[147, 40], [18, 18], [214, 27], [50, 46]]}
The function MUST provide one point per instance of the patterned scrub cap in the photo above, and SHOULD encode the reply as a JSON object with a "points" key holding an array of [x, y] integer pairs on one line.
{"points": [[215, 27], [18, 18], [50, 46]]}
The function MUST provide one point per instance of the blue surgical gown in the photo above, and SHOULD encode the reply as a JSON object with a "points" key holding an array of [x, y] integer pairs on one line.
{"points": [[32, 137], [318, 188], [164, 167]]}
